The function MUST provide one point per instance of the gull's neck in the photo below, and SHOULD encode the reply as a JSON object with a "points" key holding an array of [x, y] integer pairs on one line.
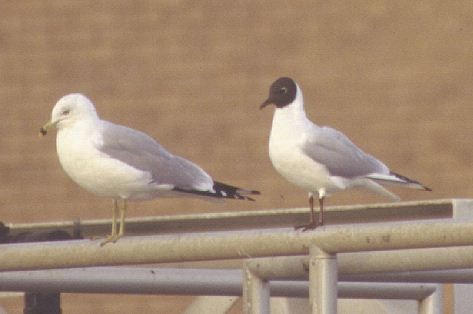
{"points": [[291, 115]]}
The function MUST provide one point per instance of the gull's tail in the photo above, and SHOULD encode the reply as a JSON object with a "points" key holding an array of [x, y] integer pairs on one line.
{"points": [[222, 190], [395, 178]]}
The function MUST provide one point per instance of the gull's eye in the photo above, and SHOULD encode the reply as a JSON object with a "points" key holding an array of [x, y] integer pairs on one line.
{"points": [[66, 112], [283, 90]]}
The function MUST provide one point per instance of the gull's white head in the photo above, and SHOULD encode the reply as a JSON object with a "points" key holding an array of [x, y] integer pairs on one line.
{"points": [[70, 109]]}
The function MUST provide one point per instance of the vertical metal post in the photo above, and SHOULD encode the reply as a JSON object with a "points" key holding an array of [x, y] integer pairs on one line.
{"points": [[433, 304], [42, 303], [462, 301], [322, 281], [255, 293]]}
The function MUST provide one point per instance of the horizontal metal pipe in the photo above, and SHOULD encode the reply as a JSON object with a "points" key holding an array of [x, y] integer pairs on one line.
{"points": [[256, 219], [456, 276], [125, 280], [400, 291], [363, 263], [283, 267], [408, 260], [230, 245], [181, 281]]}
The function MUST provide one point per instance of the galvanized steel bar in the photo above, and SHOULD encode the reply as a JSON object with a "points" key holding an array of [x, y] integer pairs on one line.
{"points": [[408, 260], [182, 281], [370, 264], [322, 281], [129, 280], [457, 276], [273, 218], [255, 293], [282, 267], [230, 245], [433, 304], [399, 291]]}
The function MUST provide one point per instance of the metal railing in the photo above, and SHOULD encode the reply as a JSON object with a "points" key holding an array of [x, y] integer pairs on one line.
{"points": [[384, 244]]}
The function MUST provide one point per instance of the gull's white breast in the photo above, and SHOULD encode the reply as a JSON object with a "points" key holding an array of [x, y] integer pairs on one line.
{"points": [[95, 171], [285, 151]]}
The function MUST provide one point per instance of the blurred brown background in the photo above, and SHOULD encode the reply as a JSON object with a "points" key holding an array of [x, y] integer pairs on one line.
{"points": [[393, 75]]}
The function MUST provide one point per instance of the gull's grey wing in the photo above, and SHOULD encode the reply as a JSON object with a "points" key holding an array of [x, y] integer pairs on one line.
{"points": [[341, 157], [141, 151]]}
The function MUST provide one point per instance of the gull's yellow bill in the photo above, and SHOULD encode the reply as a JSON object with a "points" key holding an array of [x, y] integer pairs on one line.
{"points": [[44, 129]]}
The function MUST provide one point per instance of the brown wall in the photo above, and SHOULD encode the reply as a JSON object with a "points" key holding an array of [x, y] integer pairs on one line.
{"points": [[395, 76]]}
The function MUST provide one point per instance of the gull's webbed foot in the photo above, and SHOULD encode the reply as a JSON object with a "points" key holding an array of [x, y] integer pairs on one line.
{"points": [[111, 239], [310, 226]]}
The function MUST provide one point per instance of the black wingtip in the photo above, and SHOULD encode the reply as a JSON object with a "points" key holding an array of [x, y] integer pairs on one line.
{"points": [[407, 180], [222, 190], [252, 192], [229, 191]]}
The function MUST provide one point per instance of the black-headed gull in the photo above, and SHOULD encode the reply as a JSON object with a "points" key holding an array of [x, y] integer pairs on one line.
{"points": [[321, 160]]}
